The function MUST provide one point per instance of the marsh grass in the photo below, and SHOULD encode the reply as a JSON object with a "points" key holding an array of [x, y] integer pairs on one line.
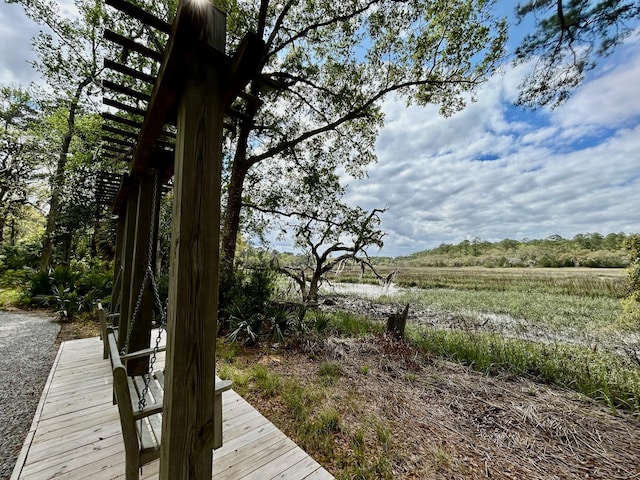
{"points": [[598, 374], [610, 283], [577, 310], [351, 324], [555, 312], [605, 282]]}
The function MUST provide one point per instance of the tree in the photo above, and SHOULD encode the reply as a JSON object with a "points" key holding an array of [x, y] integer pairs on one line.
{"points": [[20, 152], [325, 70], [69, 59], [341, 234], [570, 37]]}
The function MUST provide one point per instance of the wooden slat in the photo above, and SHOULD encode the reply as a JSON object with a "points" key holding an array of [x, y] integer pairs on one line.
{"points": [[123, 106], [133, 123], [118, 141], [127, 43], [121, 120], [130, 92], [119, 131], [111, 148], [140, 14], [131, 72]]}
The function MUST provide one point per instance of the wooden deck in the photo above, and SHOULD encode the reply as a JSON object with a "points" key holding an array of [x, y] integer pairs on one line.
{"points": [[76, 430]]}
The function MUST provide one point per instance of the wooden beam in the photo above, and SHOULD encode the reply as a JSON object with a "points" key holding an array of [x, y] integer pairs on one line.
{"points": [[130, 92], [141, 300], [188, 416], [140, 14], [129, 44], [131, 72], [243, 66], [123, 106], [114, 306], [130, 207], [179, 53]]}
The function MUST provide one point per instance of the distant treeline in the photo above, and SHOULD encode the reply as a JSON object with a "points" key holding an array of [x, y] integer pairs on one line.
{"points": [[583, 250]]}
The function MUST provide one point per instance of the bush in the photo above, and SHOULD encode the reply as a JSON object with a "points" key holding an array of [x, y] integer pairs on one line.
{"points": [[71, 289], [18, 257], [245, 300]]}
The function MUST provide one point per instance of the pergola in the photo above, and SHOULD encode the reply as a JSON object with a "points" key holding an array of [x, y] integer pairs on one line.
{"points": [[179, 136]]}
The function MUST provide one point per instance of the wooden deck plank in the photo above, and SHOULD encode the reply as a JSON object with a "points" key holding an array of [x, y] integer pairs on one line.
{"points": [[284, 462], [50, 463], [319, 474], [72, 425], [305, 467], [76, 431]]}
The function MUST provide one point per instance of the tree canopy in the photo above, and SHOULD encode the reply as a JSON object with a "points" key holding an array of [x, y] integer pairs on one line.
{"points": [[329, 65], [569, 38]]}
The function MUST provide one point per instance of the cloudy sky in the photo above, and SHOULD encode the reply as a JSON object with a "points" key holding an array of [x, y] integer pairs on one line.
{"points": [[492, 171]]}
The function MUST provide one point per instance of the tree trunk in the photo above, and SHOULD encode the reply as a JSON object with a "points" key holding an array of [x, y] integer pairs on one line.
{"points": [[231, 225], [58, 179], [67, 242], [314, 287], [12, 237]]}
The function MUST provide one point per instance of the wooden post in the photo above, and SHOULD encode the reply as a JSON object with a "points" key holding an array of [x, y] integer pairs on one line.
{"points": [[130, 208], [117, 263], [144, 225], [188, 426]]}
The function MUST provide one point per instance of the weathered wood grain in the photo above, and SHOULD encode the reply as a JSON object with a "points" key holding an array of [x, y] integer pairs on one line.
{"points": [[188, 417], [87, 442]]}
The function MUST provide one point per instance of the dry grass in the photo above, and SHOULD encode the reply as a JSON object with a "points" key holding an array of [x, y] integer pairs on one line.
{"points": [[414, 417], [85, 326]]}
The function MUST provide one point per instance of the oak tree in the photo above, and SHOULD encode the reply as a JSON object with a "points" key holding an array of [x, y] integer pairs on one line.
{"points": [[69, 59], [569, 39], [324, 72], [20, 153]]}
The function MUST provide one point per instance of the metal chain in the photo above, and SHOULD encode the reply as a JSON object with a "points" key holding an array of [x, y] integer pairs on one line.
{"points": [[148, 271], [154, 287]]}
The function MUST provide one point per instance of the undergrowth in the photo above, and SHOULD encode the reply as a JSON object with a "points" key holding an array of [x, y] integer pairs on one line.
{"points": [[310, 418], [598, 374]]}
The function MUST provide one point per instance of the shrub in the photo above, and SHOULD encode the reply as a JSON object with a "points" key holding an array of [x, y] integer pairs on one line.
{"points": [[17, 257], [71, 289]]}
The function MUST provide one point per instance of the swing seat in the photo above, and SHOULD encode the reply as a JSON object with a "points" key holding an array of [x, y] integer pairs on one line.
{"points": [[142, 428]]}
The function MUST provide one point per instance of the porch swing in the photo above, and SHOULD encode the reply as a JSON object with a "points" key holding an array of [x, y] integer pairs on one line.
{"points": [[140, 397]]}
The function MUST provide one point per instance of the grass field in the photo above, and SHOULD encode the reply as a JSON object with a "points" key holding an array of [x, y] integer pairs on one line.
{"points": [[557, 325]]}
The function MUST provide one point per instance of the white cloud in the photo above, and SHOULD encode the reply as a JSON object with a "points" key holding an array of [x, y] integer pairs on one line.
{"points": [[16, 31], [572, 170]]}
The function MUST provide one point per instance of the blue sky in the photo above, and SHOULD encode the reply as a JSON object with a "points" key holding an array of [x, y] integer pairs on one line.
{"points": [[491, 171]]}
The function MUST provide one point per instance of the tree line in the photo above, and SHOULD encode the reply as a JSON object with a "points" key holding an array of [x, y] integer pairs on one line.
{"points": [[583, 250]]}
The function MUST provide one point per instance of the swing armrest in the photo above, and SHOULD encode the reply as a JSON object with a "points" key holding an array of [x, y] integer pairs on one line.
{"points": [[222, 386], [147, 412], [141, 353]]}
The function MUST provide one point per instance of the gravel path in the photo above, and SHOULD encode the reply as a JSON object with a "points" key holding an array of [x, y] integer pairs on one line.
{"points": [[27, 350]]}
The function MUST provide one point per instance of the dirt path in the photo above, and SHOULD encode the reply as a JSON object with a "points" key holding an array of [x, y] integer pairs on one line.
{"points": [[27, 350]]}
